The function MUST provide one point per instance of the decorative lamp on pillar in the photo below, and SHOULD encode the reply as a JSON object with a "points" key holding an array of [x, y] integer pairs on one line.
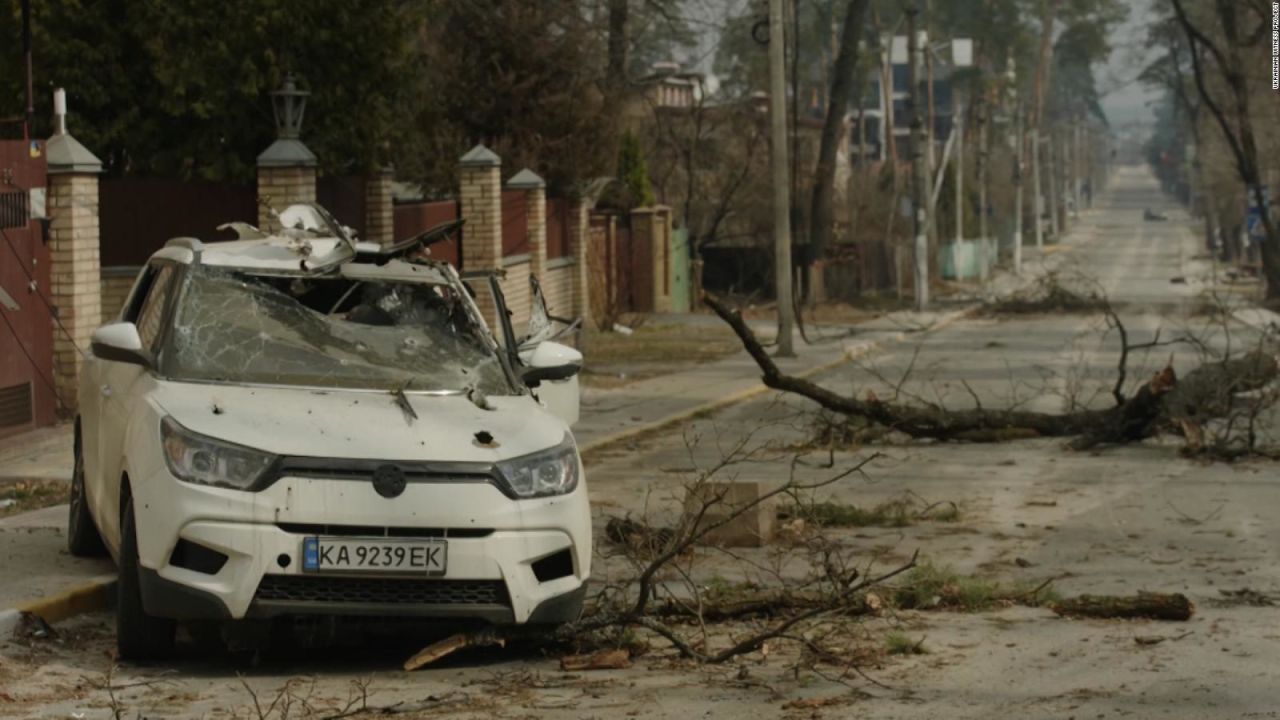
{"points": [[287, 105], [287, 169]]}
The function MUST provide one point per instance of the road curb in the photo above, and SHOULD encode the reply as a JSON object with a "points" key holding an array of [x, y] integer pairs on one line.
{"points": [[850, 354], [93, 595]]}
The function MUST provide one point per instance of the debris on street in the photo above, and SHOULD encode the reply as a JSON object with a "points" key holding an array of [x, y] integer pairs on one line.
{"points": [[603, 660], [1153, 606], [452, 644]]}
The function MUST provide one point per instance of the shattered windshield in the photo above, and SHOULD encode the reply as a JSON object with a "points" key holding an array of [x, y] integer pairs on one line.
{"points": [[328, 332]]}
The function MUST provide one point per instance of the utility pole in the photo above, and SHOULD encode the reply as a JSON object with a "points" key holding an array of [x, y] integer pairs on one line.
{"points": [[983, 177], [1018, 150], [1075, 167], [919, 169], [1051, 155], [781, 184], [957, 127], [1037, 206], [982, 168]]}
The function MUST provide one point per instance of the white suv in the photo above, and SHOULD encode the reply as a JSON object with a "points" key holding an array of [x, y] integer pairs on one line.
{"points": [[302, 424]]}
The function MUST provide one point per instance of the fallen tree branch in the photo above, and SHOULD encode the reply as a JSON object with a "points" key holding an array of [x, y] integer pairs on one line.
{"points": [[1139, 417], [1156, 606]]}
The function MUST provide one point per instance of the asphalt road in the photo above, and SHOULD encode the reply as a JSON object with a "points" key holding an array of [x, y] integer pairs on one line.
{"points": [[1114, 521]]}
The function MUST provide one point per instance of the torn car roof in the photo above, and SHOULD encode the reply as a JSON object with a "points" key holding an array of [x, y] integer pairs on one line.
{"points": [[272, 253]]}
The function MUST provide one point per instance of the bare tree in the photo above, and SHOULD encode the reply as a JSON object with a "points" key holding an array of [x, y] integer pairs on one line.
{"points": [[845, 77], [1208, 54]]}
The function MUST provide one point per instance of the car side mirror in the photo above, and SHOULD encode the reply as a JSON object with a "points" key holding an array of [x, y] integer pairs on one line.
{"points": [[551, 361], [119, 342], [553, 369]]}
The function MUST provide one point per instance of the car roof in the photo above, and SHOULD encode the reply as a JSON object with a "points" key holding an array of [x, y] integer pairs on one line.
{"points": [[310, 241], [269, 253], [279, 255]]}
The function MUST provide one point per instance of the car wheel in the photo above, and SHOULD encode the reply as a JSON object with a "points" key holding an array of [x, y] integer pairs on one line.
{"points": [[83, 538], [139, 636]]}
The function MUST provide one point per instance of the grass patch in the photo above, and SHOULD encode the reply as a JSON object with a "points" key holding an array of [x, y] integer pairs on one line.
{"points": [[897, 513], [19, 496], [929, 586], [898, 643], [612, 359]]}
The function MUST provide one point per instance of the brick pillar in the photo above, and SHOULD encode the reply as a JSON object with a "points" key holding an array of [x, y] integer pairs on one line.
{"points": [[379, 222], [579, 235], [480, 175], [535, 200], [76, 282], [286, 175], [280, 187]]}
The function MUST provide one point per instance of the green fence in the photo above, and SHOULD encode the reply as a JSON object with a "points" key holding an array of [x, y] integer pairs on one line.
{"points": [[680, 300]]}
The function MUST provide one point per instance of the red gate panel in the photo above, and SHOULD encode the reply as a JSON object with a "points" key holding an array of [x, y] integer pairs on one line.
{"points": [[26, 330]]}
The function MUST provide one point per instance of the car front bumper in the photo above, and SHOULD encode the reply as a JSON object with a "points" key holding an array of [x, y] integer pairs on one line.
{"points": [[489, 576]]}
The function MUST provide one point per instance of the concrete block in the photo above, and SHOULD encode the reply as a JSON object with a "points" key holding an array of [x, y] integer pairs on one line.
{"points": [[754, 527]]}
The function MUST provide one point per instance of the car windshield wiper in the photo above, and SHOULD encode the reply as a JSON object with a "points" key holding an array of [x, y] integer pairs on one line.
{"points": [[402, 401]]}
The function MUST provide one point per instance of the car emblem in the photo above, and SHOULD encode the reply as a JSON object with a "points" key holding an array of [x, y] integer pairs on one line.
{"points": [[388, 480]]}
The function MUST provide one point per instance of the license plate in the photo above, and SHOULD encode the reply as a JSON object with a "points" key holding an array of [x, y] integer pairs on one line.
{"points": [[321, 554]]}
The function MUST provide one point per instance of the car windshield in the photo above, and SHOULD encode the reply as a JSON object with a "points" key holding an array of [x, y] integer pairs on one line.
{"points": [[232, 326]]}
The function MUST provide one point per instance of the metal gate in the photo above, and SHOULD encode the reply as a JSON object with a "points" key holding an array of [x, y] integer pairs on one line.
{"points": [[26, 331]]}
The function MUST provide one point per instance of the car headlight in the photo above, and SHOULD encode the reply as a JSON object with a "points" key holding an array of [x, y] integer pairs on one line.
{"points": [[206, 461], [549, 472]]}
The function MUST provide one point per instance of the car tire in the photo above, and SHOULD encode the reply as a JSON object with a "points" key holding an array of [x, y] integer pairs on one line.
{"points": [[139, 636], [83, 538]]}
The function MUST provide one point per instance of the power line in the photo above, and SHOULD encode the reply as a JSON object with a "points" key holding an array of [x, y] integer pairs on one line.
{"points": [[34, 365], [36, 287], [52, 314]]}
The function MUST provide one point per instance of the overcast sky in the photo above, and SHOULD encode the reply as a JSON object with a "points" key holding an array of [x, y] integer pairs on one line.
{"points": [[1128, 101], [1125, 101]]}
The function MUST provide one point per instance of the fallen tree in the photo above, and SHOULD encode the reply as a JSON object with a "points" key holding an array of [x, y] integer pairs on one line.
{"points": [[1163, 402]]}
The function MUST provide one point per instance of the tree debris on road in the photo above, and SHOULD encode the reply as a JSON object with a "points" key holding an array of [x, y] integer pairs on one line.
{"points": [[1153, 606], [1206, 392], [452, 644], [603, 660]]}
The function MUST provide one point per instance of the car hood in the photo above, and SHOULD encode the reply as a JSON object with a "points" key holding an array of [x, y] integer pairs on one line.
{"points": [[361, 425]]}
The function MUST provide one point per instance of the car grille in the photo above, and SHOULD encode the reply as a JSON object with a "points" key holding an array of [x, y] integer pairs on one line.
{"points": [[380, 531], [388, 591]]}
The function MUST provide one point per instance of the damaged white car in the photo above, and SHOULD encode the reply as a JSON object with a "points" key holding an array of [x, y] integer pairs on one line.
{"points": [[300, 424]]}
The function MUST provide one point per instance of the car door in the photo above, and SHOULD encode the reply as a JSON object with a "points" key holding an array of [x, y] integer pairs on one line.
{"points": [[561, 397], [90, 402], [118, 391]]}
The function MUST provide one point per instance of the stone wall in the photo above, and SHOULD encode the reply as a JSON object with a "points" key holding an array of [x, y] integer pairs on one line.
{"points": [[515, 290], [280, 187], [557, 287], [116, 284]]}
